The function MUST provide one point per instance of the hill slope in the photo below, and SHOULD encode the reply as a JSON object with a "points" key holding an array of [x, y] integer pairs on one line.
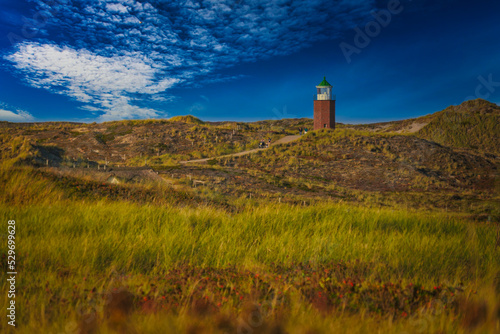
{"points": [[322, 161], [132, 143], [472, 125], [416, 156]]}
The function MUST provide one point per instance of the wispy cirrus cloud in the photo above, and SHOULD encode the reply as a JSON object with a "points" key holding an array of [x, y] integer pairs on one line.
{"points": [[111, 54]]}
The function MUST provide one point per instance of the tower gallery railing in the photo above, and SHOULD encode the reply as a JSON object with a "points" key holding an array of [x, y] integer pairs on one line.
{"points": [[324, 97]]}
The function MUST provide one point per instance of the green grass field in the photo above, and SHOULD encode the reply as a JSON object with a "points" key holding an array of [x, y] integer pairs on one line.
{"points": [[121, 266]]}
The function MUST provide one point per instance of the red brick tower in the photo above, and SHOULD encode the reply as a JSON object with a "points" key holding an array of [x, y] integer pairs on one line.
{"points": [[324, 107]]}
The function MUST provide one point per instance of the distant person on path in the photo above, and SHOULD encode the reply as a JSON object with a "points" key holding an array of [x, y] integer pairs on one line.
{"points": [[305, 130], [300, 131], [262, 143], [268, 142]]}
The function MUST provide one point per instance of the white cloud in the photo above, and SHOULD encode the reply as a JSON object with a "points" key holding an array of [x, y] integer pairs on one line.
{"points": [[15, 116], [120, 108], [90, 78], [194, 30], [195, 108], [113, 53], [116, 7]]}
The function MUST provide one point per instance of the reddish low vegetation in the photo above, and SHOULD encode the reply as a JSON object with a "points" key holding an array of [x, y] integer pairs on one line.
{"points": [[228, 295]]}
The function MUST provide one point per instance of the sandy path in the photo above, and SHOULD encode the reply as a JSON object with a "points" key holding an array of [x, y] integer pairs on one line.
{"points": [[414, 127], [283, 140]]}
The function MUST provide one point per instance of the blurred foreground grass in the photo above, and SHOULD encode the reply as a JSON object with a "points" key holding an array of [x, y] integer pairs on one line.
{"points": [[319, 269]]}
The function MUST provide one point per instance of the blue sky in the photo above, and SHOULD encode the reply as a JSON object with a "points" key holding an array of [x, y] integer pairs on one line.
{"points": [[244, 60]]}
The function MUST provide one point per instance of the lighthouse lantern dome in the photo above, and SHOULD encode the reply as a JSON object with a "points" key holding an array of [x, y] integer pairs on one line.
{"points": [[324, 91]]}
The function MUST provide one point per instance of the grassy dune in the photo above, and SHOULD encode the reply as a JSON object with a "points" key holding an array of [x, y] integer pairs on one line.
{"points": [[317, 268], [345, 231], [91, 237], [471, 125]]}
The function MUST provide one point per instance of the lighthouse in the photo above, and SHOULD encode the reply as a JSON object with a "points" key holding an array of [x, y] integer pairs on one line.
{"points": [[324, 106]]}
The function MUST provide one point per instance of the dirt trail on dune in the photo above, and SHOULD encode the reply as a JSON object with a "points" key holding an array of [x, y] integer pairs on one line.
{"points": [[283, 140]]}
